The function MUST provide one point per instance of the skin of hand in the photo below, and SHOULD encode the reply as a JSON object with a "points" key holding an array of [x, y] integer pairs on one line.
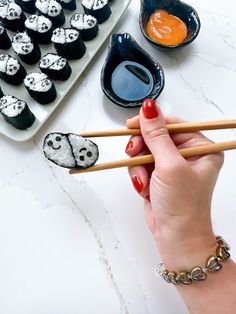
{"points": [[177, 194], [177, 191]]}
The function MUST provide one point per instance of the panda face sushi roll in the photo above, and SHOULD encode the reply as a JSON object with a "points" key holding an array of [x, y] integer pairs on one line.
{"points": [[27, 5], [11, 15], [68, 4], [5, 42], [40, 88], [98, 8], [56, 67], [51, 9], [11, 71], [68, 43], [26, 48], [16, 112], [70, 150], [87, 25], [39, 28]]}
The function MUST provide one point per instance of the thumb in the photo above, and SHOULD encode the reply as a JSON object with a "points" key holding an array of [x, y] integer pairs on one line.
{"points": [[155, 134]]}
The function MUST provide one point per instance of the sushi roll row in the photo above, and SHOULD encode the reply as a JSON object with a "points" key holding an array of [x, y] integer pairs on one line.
{"points": [[11, 15], [11, 70], [52, 10], [27, 50], [1, 92], [68, 43], [70, 150], [56, 67], [87, 25], [16, 112], [100, 9], [27, 5], [39, 28], [40, 88], [5, 42]]}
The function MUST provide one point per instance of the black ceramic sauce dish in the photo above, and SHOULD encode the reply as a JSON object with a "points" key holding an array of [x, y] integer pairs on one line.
{"points": [[175, 7], [124, 49]]}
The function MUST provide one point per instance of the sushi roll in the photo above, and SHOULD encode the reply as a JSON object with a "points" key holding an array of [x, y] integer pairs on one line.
{"points": [[27, 5], [87, 25], [26, 48], [11, 15], [1, 92], [51, 9], [68, 4], [39, 28], [70, 150], [11, 71], [5, 42], [97, 8], [40, 88], [16, 112], [56, 67], [68, 43]]}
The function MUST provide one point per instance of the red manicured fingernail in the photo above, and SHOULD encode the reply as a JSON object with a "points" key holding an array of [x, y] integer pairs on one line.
{"points": [[147, 197], [138, 184], [150, 110], [129, 146]]}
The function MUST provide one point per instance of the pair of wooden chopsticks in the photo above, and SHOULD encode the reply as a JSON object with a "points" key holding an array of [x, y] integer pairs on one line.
{"points": [[172, 128]]}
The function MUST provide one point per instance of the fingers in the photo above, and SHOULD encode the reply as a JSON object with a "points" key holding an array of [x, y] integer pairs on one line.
{"points": [[133, 123], [156, 136], [140, 179], [135, 145], [140, 175]]}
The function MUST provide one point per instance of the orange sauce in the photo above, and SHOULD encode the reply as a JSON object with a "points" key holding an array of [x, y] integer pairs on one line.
{"points": [[166, 28]]}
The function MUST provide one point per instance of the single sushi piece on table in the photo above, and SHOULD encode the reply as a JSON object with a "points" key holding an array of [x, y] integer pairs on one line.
{"points": [[27, 5], [5, 42], [39, 28], [70, 150], [26, 48], [1, 92], [11, 71], [52, 10], [87, 25], [40, 88], [68, 4], [68, 43], [56, 67], [16, 112], [11, 15], [98, 8]]}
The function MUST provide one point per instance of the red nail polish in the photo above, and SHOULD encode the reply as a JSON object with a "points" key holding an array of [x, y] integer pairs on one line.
{"points": [[147, 197], [129, 146], [149, 108], [138, 184]]}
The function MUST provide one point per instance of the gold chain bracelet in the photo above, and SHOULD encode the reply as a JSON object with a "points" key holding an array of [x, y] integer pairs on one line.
{"points": [[198, 273]]}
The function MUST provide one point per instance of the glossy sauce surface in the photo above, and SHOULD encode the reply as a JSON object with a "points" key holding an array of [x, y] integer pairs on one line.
{"points": [[166, 28], [131, 81]]}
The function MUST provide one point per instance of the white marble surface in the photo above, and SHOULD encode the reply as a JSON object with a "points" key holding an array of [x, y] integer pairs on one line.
{"points": [[79, 244]]}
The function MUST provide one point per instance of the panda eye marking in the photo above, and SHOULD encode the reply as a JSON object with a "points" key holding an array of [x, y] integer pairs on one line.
{"points": [[50, 143], [81, 158], [89, 154], [58, 138], [82, 149]]}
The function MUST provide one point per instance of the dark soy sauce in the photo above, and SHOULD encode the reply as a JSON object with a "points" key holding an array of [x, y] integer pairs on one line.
{"points": [[131, 81]]}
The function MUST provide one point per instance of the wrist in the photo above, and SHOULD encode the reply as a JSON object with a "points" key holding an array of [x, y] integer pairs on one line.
{"points": [[184, 244]]}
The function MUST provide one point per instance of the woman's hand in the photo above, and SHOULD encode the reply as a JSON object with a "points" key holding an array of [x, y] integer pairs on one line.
{"points": [[177, 191]]}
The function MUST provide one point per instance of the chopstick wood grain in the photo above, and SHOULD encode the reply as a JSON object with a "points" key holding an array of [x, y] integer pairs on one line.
{"points": [[172, 128], [147, 159]]}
